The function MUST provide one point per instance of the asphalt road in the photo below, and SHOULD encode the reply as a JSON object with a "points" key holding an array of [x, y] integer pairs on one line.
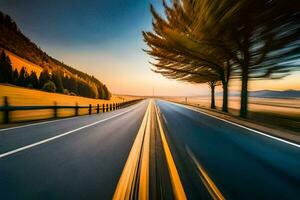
{"points": [[242, 164], [85, 164], [186, 154]]}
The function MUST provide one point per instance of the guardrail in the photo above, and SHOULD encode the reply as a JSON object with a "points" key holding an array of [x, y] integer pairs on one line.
{"points": [[7, 108]]}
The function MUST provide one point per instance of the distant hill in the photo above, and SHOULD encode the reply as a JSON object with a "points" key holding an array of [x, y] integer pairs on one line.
{"points": [[22, 51], [276, 94], [268, 94]]}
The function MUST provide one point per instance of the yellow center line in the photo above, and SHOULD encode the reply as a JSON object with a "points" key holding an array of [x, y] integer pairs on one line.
{"points": [[139, 150], [144, 175], [175, 179], [209, 184]]}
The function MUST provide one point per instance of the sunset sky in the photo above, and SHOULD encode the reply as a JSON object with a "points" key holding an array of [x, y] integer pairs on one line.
{"points": [[103, 38]]}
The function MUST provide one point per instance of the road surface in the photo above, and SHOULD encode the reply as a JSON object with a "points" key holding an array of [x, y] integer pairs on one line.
{"points": [[151, 150], [242, 163]]}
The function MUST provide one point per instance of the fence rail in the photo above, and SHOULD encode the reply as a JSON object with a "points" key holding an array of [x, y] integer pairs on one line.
{"points": [[6, 109]]}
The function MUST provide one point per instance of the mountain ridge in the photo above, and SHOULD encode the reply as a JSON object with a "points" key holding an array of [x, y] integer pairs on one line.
{"points": [[268, 94]]}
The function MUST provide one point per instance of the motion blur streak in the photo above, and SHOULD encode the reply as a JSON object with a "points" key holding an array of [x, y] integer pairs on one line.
{"points": [[209, 184]]}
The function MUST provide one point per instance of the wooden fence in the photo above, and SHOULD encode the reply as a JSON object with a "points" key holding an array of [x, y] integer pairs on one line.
{"points": [[6, 109]]}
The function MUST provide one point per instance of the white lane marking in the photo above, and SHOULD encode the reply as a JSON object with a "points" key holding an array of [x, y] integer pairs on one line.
{"points": [[38, 123], [241, 126], [164, 118], [61, 135]]}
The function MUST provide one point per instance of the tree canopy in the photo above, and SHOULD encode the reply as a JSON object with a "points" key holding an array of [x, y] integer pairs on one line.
{"points": [[222, 39]]}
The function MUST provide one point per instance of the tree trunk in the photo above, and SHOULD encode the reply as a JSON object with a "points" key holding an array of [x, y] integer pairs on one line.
{"points": [[244, 93], [225, 96], [212, 103], [225, 82]]}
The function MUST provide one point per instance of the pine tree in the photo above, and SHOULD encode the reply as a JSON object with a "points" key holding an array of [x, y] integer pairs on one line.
{"points": [[22, 77], [6, 70], [15, 77], [1, 18], [33, 80], [56, 78], [44, 78]]}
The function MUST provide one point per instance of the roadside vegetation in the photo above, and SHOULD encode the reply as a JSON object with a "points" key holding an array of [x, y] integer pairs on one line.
{"points": [[213, 42]]}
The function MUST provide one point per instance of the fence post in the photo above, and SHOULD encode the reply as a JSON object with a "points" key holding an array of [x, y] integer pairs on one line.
{"points": [[103, 107], [55, 109], [76, 109], [6, 110], [106, 107], [98, 108], [90, 109]]}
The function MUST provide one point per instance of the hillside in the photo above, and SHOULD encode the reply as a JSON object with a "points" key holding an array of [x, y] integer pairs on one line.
{"points": [[22, 51], [18, 62]]}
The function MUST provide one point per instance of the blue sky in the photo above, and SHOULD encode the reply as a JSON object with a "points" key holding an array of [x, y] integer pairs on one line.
{"points": [[100, 37]]}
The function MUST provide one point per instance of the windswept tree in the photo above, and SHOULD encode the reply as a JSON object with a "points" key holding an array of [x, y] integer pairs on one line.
{"points": [[261, 36], [257, 39], [172, 47], [199, 76]]}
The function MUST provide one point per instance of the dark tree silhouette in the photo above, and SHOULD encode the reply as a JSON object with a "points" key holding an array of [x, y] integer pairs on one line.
{"points": [[44, 78], [22, 77], [15, 77], [6, 71], [33, 80], [56, 78], [70, 83]]}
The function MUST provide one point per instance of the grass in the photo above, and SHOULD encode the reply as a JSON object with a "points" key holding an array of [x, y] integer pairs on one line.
{"points": [[281, 113], [27, 97]]}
